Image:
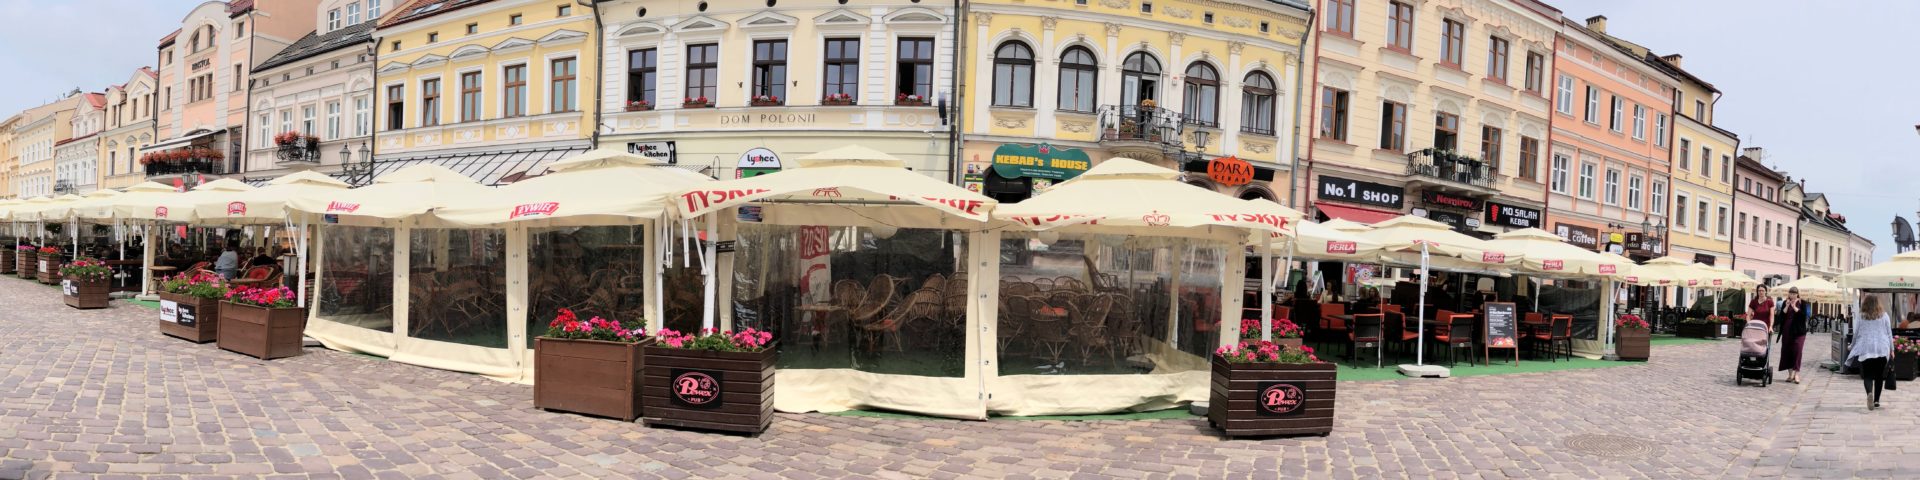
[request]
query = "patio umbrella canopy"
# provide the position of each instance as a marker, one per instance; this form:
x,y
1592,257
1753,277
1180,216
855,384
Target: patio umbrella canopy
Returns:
x,y
1813,288
265,205
1403,236
1671,272
602,187
1345,225
1317,241
852,174
170,207
53,210
1547,254
1123,194
1902,272
408,192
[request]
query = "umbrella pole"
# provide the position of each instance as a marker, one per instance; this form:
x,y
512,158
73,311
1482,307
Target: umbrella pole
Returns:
x,y
1420,347
709,256
1266,292
300,261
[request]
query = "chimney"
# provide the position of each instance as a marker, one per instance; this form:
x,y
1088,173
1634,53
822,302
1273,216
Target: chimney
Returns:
x,y
1597,23
1756,153
1673,59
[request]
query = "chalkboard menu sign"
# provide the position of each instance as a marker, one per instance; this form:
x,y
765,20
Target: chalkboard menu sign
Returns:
x,y
1502,328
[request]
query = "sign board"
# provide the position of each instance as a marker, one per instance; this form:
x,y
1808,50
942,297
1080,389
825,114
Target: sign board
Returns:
x,y
1501,327
169,311
1369,193
1442,199
1512,216
665,151
68,288
756,162
1230,171
723,246
187,315
1282,399
751,214
1040,161
1583,237
695,388
1457,221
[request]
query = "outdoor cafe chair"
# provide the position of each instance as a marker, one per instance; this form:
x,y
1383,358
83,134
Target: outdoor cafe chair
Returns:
x,y
1563,333
1090,326
1459,332
1366,333
1050,332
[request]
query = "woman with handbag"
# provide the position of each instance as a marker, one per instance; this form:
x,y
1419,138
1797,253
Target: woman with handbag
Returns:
x,y
1872,346
1793,315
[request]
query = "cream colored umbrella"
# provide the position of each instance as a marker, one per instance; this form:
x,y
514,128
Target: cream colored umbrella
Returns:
x,y
1670,272
1815,288
13,212
1902,272
1428,241
52,210
108,209
602,187
1547,254
265,205
1129,194
1345,225
1623,266
1311,241
177,207
410,191
71,210
851,174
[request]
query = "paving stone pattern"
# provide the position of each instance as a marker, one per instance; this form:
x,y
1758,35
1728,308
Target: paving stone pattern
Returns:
x,y
101,394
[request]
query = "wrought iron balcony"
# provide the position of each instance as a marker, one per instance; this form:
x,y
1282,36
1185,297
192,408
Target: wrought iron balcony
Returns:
x,y
1449,167
1131,123
299,151
184,167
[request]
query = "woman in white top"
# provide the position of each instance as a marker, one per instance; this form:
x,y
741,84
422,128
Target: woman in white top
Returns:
x,y
1872,346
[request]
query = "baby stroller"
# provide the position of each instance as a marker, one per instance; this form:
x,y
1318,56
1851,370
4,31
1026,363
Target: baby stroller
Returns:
x,y
1755,347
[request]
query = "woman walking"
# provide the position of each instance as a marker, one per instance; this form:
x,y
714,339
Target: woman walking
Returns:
x,y
1872,345
1792,326
1761,308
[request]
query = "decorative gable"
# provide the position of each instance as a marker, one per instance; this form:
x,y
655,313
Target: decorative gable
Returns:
x,y
562,36
915,15
767,20
429,60
640,29
468,51
393,68
512,44
841,17
699,24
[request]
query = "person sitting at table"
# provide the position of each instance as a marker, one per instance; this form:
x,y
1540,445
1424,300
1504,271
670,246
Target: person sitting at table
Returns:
x,y
261,259
228,264
1912,322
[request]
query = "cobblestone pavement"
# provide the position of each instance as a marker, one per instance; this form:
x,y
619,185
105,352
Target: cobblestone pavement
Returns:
x,y
100,393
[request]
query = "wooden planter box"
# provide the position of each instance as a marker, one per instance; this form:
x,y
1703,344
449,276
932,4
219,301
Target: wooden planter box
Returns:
x,y
26,263
909,103
85,294
834,102
263,333
766,103
706,104
1633,344
48,269
639,108
590,377
708,390
9,262
193,319
1261,399
1904,366
1697,330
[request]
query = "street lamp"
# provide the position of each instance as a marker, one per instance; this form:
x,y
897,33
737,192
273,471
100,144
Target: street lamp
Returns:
x,y
357,173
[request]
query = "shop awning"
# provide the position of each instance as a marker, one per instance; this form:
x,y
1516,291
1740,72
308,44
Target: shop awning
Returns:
x,y
180,141
486,168
1359,215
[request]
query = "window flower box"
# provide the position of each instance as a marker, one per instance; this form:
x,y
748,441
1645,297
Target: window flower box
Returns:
x,y
26,261
589,367
190,306
48,271
1265,390
718,381
837,100
1633,339
85,284
766,101
639,106
261,323
698,102
904,100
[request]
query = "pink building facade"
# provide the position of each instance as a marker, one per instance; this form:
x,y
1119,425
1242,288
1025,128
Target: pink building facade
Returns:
x,y
1764,240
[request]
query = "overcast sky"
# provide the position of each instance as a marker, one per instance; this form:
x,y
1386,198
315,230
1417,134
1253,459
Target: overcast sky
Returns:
x,y
1797,81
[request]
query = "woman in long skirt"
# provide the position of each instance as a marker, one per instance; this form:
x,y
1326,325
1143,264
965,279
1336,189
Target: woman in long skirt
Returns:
x,y
1792,317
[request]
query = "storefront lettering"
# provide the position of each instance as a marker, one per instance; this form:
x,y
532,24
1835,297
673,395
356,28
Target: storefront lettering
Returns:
x,y
236,208
767,118
534,210
1275,221
1579,236
1031,161
342,207
1512,216
1444,200
1347,248
1361,192
971,207
1056,220
701,200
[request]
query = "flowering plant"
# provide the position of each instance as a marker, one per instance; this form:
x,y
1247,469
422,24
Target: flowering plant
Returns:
x,y
50,250
25,248
569,326
639,104
909,98
1718,319
87,270
838,97
1267,352
748,340
276,297
1282,328
1631,321
766,98
202,284
695,101
1906,345
289,138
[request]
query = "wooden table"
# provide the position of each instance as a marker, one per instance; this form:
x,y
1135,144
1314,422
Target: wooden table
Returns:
x,y
160,274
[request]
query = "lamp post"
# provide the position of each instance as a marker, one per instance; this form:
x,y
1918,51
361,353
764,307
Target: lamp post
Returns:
x,y
357,173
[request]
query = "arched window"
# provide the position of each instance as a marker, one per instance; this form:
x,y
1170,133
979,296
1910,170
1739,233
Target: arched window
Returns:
x,y
1013,75
1079,73
1139,79
1257,104
1202,102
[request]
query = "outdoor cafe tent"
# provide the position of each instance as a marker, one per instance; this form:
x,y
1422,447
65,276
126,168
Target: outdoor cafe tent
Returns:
x,y
1902,272
1547,255
583,228
821,252
397,283
1345,225
267,207
1129,220
1423,243
1310,241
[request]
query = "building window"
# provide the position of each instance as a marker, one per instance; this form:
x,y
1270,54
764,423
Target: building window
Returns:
x,y
913,73
1013,75
1706,160
1639,122
1078,74
1679,210
1703,225
1633,192
1497,59
565,84
516,19
1726,168
470,99
430,102
1393,126
1700,110
1741,229
333,120
1613,187
1139,80
514,91
286,120
703,69
1558,173
473,28
1333,113
843,67
266,132
1446,131
770,69
395,47
1340,17
396,107
1400,26
1593,105
1202,101
306,120
643,76
1618,121
373,9
1564,98
433,37
333,19
362,116
1586,180
1490,139
1686,154
1723,221
1658,198
1257,104
1765,235
1536,72
1660,129
353,13
1530,159
1453,39
564,11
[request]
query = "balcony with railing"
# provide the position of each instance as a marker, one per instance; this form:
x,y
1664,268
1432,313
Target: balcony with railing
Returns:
x,y
1140,123
1450,168
185,161
295,148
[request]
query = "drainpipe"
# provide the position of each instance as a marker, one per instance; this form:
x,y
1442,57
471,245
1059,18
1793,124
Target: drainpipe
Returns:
x,y
1300,55
373,146
600,70
955,145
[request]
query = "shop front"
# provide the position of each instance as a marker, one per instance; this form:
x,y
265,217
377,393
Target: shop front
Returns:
x,y
1500,217
1016,171
1460,212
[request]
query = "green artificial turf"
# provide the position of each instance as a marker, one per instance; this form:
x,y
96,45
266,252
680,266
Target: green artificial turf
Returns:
x,y
1353,371
1669,340
1168,414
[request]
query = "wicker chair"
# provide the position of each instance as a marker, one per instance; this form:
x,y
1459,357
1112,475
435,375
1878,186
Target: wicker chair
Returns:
x,y
921,304
879,296
1090,326
1051,334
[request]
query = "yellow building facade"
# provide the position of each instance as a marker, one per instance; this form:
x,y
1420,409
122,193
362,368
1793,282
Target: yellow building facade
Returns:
x,y
9,159
492,89
1066,85
130,109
